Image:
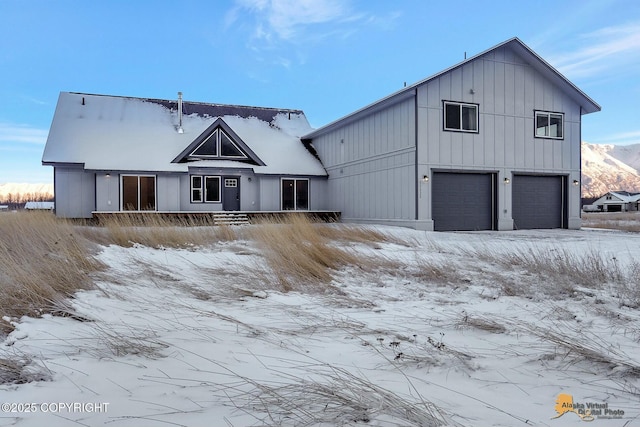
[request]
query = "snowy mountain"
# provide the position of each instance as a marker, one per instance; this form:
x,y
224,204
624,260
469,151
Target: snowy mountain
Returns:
x,y
24,191
610,168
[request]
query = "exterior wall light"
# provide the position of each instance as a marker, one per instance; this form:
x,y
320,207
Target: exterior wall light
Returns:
x,y
576,182
425,178
108,175
507,180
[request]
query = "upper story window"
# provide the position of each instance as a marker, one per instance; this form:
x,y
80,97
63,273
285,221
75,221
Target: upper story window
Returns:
x,y
549,125
218,144
460,117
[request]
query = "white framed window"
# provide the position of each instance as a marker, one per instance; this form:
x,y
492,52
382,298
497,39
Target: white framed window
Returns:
x,y
138,192
294,194
196,188
212,189
460,117
549,125
218,145
205,189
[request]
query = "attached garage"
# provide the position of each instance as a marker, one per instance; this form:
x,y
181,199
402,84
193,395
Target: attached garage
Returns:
x,y
539,201
463,201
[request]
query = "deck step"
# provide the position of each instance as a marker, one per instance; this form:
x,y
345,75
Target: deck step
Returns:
x,y
231,218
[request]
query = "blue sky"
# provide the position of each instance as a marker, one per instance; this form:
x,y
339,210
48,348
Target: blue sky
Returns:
x,y
326,57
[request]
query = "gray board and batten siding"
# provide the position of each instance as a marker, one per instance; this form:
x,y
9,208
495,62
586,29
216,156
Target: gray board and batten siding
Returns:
x,y
104,149
381,160
371,166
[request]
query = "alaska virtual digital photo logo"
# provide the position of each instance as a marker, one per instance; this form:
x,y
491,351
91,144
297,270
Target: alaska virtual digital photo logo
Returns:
x,y
588,411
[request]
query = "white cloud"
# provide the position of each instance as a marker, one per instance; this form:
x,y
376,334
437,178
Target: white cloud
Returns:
x,y
603,50
22,134
284,19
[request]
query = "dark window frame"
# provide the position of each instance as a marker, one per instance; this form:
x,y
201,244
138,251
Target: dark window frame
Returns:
x,y
548,115
461,106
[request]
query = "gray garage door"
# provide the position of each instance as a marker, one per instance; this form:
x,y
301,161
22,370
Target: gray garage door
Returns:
x,y
463,201
539,201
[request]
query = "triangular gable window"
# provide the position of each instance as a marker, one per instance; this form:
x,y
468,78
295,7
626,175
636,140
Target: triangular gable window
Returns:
x,y
219,145
228,148
209,147
218,142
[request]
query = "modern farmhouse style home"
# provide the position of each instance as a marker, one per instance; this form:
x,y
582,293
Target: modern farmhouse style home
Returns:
x,y
113,153
492,143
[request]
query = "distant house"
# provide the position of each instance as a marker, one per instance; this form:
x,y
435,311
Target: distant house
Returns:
x,y
41,206
492,143
615,201
4,208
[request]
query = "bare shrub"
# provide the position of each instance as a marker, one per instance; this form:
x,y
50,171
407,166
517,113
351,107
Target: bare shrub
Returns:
x,y
42,261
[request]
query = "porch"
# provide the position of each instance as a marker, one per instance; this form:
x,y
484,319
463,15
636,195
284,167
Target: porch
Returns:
x,y
221,218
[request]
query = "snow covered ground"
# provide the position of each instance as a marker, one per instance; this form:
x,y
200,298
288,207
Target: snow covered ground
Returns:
x,y
179,337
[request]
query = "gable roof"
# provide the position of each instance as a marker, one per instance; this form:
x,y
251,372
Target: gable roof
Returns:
x,y
218,123
624,196
107,133
588,105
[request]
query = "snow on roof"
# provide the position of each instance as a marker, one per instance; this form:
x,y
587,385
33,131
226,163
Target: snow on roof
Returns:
x,y
625,196
135,134
39,205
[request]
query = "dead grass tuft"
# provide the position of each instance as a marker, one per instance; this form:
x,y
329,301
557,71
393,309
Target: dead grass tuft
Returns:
x,y
43,260
334,396
300,254
553,271
17,371
156,231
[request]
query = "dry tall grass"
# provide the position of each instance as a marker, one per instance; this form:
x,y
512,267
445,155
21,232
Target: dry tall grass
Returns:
x,y
555,271
43,260
155,231
624,221
301,253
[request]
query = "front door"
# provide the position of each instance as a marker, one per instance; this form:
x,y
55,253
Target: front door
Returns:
x,y
231,193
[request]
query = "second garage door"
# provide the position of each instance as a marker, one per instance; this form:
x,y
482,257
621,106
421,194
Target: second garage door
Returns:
x,y
539,202
463,201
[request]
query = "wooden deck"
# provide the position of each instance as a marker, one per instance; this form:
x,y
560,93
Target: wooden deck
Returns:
x,y
216,217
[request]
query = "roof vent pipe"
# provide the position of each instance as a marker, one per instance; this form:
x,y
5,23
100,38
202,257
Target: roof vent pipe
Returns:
x,y
180,130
